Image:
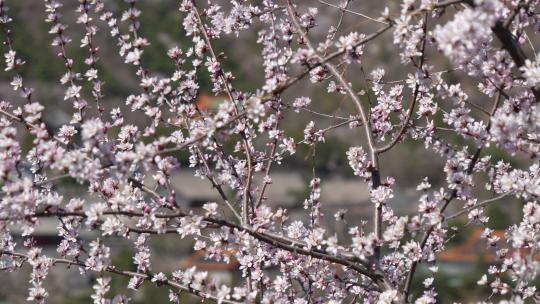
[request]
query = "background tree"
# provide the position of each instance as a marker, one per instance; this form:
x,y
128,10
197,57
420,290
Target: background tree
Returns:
x,y
477,113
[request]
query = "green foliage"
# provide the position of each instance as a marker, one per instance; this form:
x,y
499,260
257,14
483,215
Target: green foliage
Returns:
x,y
325,158
299,195
453,288
499,218
460,237
84,298
123,260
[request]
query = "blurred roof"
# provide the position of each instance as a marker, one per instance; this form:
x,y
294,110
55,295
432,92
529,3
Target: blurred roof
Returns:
x,y
473,249
197,259
209,102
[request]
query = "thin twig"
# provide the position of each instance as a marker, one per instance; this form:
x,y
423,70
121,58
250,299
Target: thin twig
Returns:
x,y
476,206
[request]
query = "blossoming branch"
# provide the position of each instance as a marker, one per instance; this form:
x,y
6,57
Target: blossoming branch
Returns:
x,y
126,165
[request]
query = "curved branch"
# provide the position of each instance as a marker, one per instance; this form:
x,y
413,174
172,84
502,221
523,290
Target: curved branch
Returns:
x,y
115,270
266,237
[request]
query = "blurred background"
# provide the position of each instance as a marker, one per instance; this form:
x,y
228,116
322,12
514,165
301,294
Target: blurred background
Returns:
x,y
461,265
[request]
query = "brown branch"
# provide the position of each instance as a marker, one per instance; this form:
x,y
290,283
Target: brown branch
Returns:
x,y
323,61
266,237
375,174
368,38
247,149
448,199
116,270
501,31
410,111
